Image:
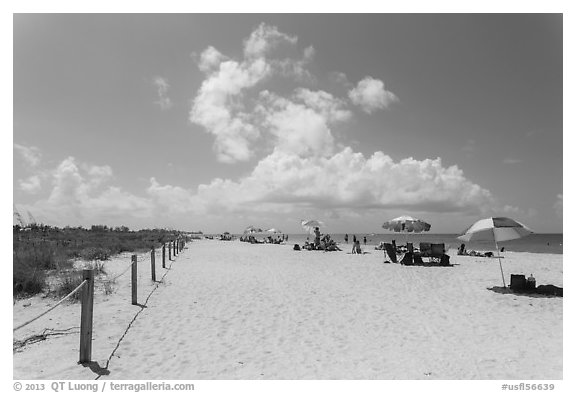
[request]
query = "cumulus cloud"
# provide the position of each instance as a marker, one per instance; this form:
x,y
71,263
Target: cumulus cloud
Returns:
x,y
265,38
281,183
221,105
350,179
301,125
210,59
30,154
221,114
370,95
162,87
80,195
31,185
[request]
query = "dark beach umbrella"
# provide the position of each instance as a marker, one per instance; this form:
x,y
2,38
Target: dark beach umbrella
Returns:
x,y
407,225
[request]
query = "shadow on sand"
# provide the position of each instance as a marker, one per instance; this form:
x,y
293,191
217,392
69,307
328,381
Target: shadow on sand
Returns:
x,y
508,291
96,368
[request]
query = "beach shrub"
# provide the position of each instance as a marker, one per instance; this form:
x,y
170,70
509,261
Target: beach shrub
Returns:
x,y
98,267
27,278
40,249
109,287
95,254
69,281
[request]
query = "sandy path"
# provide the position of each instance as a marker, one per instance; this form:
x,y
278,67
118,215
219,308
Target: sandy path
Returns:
x,y
230,310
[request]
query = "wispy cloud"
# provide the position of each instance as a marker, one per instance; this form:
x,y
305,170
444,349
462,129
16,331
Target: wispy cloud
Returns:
x,y
559,205
162,87
31,185
30,154
512,161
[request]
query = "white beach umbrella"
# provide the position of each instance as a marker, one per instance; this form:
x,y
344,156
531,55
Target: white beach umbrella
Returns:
x,y
310,225
252,229
496,229
273,230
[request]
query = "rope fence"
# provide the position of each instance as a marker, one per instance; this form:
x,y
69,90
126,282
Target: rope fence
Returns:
x,y
87,296
51,308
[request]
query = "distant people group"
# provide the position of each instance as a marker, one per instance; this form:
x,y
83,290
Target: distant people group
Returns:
x,y
462,251
268,239
324,243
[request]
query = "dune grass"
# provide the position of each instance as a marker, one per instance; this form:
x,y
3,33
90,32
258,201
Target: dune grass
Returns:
x,y
40,250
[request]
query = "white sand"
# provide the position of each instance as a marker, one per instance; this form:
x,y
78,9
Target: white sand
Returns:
x,y
231,310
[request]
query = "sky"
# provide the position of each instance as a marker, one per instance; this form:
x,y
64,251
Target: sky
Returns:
x,y
214,122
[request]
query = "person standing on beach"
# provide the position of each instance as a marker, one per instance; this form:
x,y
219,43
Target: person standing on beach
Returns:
x,y
317,239
354,239
364,240
346,238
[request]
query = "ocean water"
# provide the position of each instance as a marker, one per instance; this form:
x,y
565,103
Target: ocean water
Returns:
x,y
535,243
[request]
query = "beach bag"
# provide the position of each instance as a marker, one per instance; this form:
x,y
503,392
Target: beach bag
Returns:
x,y
517,282
296,247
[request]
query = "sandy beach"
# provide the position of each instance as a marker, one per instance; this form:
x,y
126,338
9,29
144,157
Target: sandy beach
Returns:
x,y
232,310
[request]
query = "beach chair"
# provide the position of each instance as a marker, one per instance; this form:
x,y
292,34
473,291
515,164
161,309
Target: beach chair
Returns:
x,y
408,259
391,251
418,259
437,251
425,250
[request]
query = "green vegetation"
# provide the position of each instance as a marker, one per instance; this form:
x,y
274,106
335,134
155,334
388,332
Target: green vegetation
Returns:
x,y
39,250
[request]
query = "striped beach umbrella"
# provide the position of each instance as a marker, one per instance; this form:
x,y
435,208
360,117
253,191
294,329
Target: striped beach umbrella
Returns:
x,y
406,224
496,229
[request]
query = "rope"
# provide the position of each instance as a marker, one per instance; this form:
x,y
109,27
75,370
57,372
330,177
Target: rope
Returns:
x,y
121,274
138,260
53,307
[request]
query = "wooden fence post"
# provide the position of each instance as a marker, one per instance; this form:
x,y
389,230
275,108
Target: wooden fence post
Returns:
x,y
86,317
164,256
175,247
134,279
153,263
169,251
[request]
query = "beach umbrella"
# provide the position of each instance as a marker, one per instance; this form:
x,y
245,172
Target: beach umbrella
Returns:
x,y
496,229
252,229
273,230
406,224
310,225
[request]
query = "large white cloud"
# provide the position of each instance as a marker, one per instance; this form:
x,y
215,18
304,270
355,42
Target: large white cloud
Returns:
x,y
301,125
371,95
350,180
281,183
81,195
222,105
